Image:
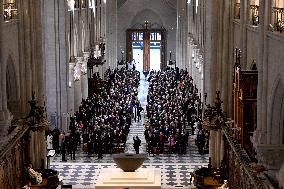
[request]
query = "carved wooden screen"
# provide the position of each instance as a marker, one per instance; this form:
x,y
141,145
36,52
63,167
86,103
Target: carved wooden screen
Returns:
x,y
249,87
244,107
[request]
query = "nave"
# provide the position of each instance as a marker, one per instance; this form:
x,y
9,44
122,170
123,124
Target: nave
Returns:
x,y
175,168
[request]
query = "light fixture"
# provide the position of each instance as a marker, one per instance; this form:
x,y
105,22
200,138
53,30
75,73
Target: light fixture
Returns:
x,y
10,11
71,5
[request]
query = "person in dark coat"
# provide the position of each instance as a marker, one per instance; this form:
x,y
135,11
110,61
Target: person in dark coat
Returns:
x,y
99,145
139,110
137,143
73,142
63,150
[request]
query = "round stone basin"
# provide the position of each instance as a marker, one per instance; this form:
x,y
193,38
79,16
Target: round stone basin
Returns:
x,y
129,162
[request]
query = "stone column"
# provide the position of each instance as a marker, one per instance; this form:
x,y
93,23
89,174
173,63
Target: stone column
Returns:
x,y
84,76
56,66
5,115
77,84
71,103
208,59
243,22
225,73
263,131
111,34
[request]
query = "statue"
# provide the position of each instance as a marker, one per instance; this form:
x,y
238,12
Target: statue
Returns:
x,y
34,175
37,113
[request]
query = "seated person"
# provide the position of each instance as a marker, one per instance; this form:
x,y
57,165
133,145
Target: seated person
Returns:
x,y
36,176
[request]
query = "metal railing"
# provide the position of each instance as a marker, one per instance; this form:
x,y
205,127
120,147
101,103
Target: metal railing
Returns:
x,y
240,169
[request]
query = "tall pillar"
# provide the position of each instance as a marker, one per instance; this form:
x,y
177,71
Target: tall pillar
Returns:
x,y
55,65
5,115
208,59
243,21
263,129
71,109
84,76
77,84
111,34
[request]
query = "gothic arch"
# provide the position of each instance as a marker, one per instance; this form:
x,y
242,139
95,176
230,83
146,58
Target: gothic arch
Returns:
x,y
277,114
12,86
147,14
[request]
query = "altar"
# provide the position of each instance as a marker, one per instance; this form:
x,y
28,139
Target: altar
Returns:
x,y
115,178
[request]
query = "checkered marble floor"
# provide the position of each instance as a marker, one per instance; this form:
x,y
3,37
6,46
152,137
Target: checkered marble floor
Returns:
x,y
83,172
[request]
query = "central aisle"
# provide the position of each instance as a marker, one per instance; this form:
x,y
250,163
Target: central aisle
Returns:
x,y
137,128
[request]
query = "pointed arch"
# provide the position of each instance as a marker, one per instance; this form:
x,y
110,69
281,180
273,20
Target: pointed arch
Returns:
x,y
277,114
147,14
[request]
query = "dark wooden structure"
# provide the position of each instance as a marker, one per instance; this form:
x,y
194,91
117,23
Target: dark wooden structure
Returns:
x,y
245,106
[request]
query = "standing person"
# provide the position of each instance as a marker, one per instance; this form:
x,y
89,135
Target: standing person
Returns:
x,y
73,145
63,150
99,147
61,138
137,143
139,110
49,140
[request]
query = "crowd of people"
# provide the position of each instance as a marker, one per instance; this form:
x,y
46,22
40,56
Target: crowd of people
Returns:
x,y
172,103
103,120
105,117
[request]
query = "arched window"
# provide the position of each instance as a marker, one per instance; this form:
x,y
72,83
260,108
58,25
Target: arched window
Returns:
x,y
254,7
277,18
10,10
237,11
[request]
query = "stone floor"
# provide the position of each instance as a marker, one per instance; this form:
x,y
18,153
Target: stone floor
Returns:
x,y
175,169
